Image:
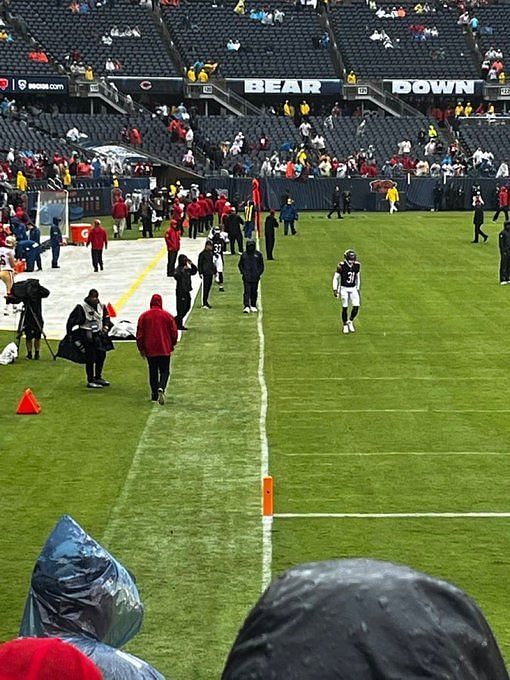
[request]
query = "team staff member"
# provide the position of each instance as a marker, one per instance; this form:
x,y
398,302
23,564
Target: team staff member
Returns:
x,y
289,215
193,212
88,325
98,239
206,271
346,285
232,225
478,219
156,337
504,251
270,225
173,244
120,214
182,274
335,203
55,242
251,266
35,235
503,203
346,200
392,196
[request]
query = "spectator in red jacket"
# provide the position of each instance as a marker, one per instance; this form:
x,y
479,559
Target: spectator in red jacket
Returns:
x,y
98,239
178,214
119,214
202,223
173,244
156,337
220,207
135,137
193,211
503,202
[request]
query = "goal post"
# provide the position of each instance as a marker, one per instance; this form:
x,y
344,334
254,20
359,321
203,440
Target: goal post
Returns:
x,y
52,204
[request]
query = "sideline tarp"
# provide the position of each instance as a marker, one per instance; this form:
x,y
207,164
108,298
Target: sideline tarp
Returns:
x,y
362,619
80,593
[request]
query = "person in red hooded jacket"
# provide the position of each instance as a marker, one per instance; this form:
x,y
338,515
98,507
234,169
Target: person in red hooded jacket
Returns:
x,y
202,220
219,207
156,337
173,244
209,216
193,211
503,202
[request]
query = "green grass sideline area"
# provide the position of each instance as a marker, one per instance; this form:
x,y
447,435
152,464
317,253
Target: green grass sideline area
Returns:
x,y
406,415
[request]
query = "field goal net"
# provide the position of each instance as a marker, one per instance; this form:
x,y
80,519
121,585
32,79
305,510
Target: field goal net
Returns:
x,y
52,204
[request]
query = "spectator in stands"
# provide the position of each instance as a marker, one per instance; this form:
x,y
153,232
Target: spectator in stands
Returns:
x,y
278,16
288,109
352,78
89,73
240,7
305,129
304,109
233,45
468,109
21,182
203,76
191,75
503,170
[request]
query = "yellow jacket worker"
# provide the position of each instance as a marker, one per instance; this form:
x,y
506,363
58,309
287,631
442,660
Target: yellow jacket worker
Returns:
x,y
393,198
21,181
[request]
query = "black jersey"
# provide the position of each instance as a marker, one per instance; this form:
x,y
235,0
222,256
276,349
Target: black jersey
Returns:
x,y
218,242
349,272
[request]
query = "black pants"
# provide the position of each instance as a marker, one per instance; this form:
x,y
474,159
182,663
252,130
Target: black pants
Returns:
x,y
207,280
347,207
159,372
498,212
438,201
55,254
335,208
94,362
504,266
183,307
128,220
251,292
97,259
170,266
479,232
289,225
193,228
269,246
236,238
146,227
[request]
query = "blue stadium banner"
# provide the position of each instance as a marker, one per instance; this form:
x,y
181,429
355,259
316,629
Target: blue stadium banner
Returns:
x,y
33,84
431,86
287,86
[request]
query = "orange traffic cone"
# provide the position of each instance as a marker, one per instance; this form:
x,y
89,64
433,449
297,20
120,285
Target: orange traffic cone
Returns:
x,y
111,311
28,404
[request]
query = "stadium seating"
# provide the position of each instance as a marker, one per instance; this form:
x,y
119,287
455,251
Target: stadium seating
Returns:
x,y
23,136
447,56
493,31
201,30
494,137
14,55
60,32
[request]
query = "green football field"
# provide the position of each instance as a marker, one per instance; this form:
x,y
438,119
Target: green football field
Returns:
x,y
408,417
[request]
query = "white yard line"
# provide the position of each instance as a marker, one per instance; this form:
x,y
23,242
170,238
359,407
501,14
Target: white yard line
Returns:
x,y
350,379
301,410
267,522
340,454
391,515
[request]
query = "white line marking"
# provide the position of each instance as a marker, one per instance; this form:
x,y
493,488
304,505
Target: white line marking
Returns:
x,y
390,515
341,454
122,498
391,378
267,522
393,410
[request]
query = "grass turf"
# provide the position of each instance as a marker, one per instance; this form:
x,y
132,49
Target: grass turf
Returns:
x,y
181,508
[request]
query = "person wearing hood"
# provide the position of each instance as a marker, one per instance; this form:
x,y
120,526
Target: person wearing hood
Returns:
x,y
251,266
270,225
156,337
363,619
97,239
21,182
184,271
289,215
173,244
88,326
207,271
55,242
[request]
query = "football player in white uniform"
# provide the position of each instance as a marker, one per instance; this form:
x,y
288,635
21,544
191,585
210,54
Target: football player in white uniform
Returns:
x,y
7,263
346,285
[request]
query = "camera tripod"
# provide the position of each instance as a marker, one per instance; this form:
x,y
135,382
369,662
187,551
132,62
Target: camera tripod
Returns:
x,y
21,327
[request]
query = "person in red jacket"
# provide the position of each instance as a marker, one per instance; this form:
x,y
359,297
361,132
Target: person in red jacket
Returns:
x,y
202,220
98,239
119,214
173,244
156,337
503,202
219,207
209,215
193,211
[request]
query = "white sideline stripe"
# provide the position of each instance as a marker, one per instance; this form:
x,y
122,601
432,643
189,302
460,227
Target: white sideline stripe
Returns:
x,y
390,515
134,468
267,522
341,454
395,377
394,410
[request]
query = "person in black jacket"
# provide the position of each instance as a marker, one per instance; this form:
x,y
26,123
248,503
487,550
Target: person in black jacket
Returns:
x,y
335,203
251,266
207,271
346,200
233,228
270,225
182,274
504,251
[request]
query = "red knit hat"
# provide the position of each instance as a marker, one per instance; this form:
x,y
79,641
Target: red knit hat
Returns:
x,y
45,659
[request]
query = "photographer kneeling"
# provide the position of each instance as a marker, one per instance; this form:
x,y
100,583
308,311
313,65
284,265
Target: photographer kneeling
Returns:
x,y
88,327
